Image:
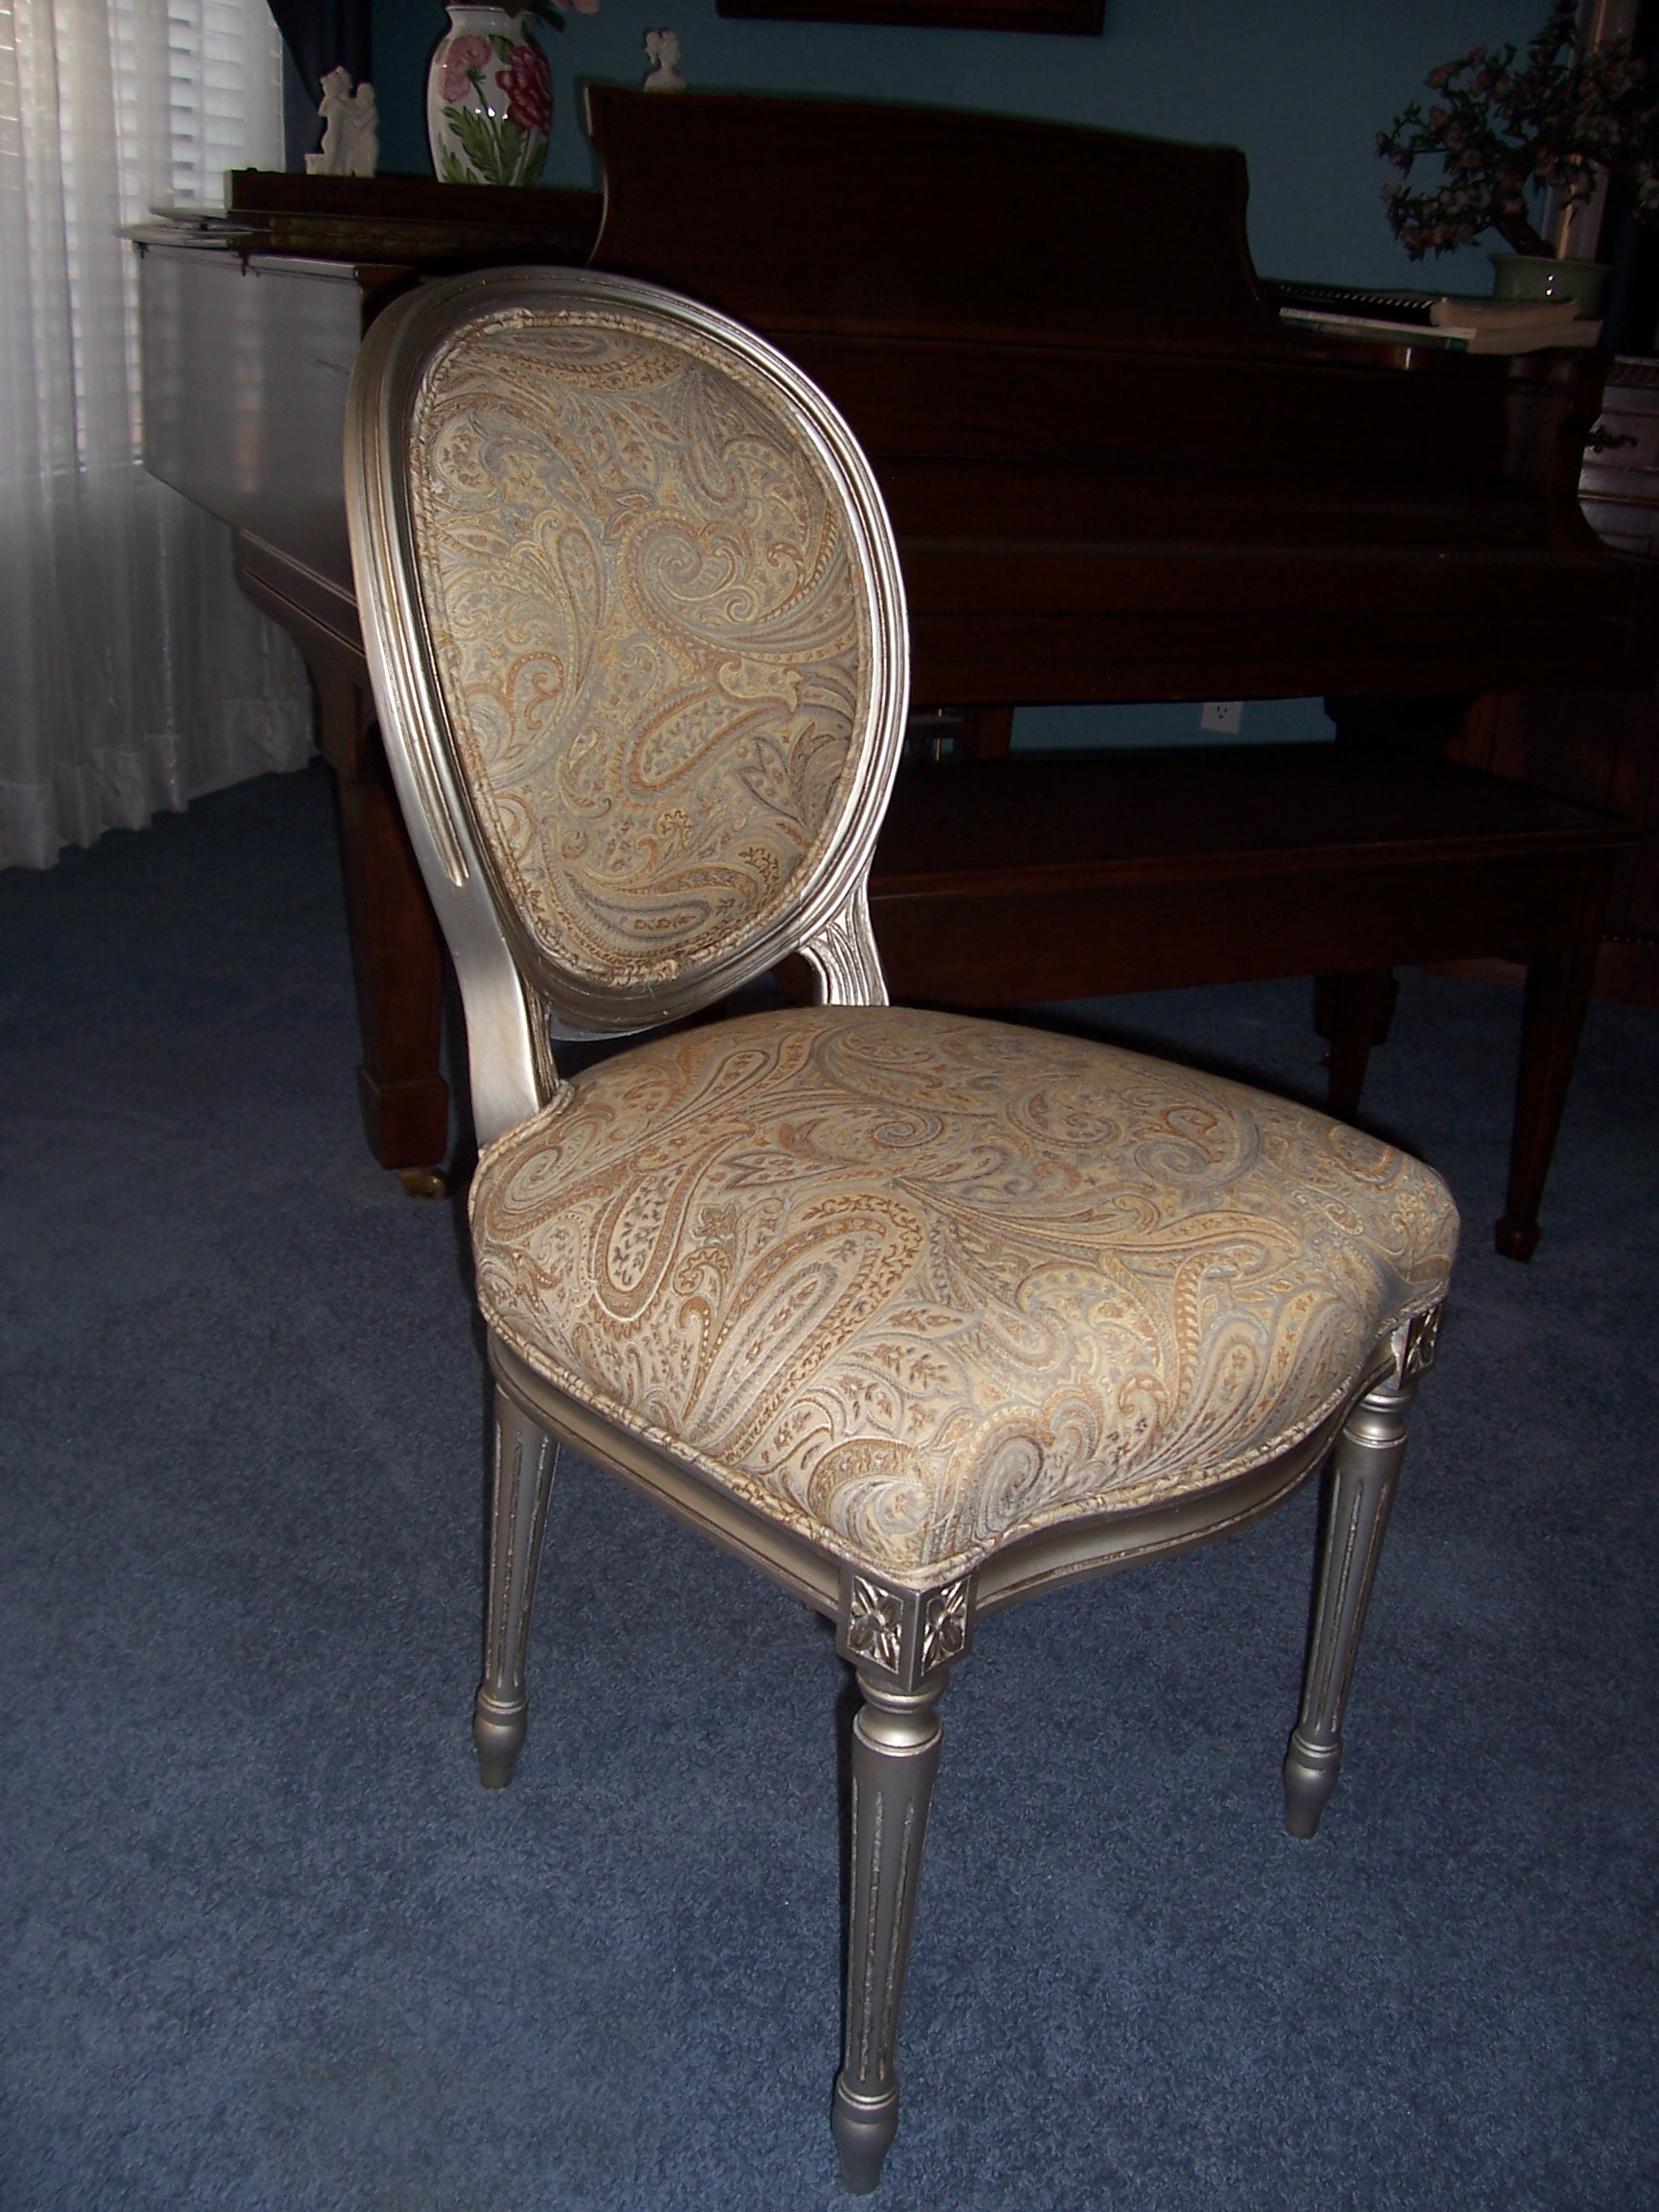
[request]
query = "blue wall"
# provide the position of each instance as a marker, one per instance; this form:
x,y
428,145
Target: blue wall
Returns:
x,y
1302,85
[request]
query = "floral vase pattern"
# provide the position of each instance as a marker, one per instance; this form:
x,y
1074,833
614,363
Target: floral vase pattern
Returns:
x,y
489,100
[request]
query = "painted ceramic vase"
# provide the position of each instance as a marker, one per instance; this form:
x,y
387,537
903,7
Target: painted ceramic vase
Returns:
x,y
489,100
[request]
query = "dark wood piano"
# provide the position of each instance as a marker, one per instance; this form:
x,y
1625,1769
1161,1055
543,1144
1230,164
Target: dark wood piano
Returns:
x,y
1115,474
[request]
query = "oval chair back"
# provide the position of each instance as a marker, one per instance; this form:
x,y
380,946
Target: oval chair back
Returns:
x,y
637,636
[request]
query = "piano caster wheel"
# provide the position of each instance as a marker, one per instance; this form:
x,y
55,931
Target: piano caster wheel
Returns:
x,y
424,1182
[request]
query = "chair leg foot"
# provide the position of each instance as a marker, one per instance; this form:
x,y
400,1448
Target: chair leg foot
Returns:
x,y
498,1738
1363,1471
895,1758
1310,1771
525,1457
863,2134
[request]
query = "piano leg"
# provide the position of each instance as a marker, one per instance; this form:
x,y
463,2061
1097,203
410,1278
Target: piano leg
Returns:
x,y
399,967
1353,1013
1559,977
396,951
1558,988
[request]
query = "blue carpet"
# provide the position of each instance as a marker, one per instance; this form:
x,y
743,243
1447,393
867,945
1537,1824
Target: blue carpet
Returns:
x,y
267,1944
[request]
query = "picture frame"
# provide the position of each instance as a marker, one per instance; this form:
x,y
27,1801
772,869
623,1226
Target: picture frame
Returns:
x,y
1077,18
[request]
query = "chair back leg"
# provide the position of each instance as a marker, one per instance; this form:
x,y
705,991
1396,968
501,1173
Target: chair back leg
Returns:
x,y
525,1458
894,1757
1359,1492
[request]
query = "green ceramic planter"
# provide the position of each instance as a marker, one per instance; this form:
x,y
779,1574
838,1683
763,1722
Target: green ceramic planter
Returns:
x,y
1533,276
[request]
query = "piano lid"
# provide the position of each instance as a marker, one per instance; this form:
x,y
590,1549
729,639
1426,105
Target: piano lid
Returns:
x,y
829,214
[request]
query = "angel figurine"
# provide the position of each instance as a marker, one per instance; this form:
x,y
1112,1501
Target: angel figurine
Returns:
x,y
663,50
350,130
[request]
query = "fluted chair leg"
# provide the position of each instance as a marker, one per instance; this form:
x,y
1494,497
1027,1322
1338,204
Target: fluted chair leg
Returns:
x,y
1363,1472
895,1758
525,1457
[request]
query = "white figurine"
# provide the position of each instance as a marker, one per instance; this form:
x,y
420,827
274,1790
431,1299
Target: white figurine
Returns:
x,y
664,49
350,130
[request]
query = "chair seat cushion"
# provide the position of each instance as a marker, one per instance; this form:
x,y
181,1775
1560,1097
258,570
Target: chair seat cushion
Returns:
x,y
915,1285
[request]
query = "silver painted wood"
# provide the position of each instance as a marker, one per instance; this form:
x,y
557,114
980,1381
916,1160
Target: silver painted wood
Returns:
x,y
895,1737
525,1458
906,1636
1364,1470
842,954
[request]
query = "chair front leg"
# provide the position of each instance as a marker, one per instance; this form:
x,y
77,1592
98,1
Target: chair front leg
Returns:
x,y
1364,1470
895,1758
525,1457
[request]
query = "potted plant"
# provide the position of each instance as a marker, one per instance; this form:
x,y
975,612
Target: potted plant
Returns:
x,y
489,93
1506,132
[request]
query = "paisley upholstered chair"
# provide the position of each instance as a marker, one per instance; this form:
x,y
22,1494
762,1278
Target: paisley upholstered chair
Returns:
x,y
916,1313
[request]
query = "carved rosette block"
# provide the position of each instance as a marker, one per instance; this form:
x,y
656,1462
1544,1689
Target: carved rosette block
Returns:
x,y
908,1635
1414,1344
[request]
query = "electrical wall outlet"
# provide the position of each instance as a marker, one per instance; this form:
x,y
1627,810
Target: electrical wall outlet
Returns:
x,y
1222,717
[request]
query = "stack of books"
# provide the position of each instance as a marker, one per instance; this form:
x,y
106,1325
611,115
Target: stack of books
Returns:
x,y
1435,319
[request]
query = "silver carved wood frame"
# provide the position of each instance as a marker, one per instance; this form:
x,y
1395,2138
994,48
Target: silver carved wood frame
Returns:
x,y
902,1638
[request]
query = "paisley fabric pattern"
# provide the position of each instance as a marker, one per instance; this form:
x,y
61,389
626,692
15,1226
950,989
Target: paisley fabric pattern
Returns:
x,y
915,1285
643,615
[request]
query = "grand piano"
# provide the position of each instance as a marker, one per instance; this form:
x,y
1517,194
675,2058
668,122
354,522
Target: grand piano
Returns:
x,y
1115,474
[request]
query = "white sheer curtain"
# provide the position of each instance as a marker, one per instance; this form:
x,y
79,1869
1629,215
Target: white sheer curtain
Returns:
x,y
133,675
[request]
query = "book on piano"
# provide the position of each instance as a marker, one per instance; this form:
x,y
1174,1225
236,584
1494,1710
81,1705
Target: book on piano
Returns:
x,y
1456,323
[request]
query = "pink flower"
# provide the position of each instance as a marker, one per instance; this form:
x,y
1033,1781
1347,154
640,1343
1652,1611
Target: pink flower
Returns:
x,y
460,60
528,83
